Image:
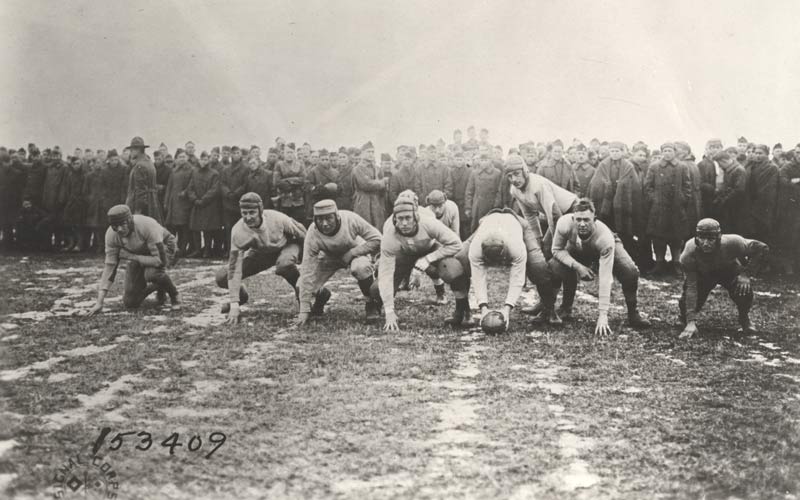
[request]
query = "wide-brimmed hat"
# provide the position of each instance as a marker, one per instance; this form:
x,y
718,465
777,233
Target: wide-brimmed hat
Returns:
x,y
138,142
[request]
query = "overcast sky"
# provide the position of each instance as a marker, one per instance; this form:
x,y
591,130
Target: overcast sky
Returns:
x,y
96,73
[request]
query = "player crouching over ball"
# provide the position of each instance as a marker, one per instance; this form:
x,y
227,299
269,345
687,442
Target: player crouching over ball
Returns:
x,y
504,239
579,241
338,239
712,259
149,249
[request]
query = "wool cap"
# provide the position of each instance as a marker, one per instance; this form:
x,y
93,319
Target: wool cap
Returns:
x,y
436,197
251,200
119,214
325,207
708,227
514,163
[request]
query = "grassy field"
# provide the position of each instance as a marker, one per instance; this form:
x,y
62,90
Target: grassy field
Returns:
x,y
342,410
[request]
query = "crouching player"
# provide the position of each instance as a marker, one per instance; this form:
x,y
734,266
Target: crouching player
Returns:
x,y
149,248
579,241
712,259
422,243
259,240
505,239
337,239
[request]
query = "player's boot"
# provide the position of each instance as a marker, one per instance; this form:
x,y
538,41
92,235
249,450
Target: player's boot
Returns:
x,y
175,302
461,310
468,321
372,311
534,310
747,327
243,298
565,311
635,320
318,307
440,298
552,317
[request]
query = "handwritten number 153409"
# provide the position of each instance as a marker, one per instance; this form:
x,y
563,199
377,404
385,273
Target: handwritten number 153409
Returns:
x,y
145,440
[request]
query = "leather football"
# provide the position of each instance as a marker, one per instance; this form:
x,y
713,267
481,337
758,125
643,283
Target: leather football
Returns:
x,y
493,323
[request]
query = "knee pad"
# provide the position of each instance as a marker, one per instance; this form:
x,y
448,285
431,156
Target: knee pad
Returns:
x,y
221,276
449,269
361,269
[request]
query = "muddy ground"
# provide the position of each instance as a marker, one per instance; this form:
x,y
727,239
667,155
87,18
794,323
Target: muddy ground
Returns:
x,y
342,410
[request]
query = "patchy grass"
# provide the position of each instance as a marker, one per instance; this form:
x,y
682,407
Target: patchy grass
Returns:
x,y
340,409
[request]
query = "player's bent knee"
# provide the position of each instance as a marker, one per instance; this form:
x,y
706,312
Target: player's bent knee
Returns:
x,y
450,269
284,269
361,268
221,277
131,301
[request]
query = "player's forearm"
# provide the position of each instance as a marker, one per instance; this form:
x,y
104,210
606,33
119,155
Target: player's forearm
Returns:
x,y
386,267
147,260
691,296
106,279
479,283
516,281
604,280
304,284
234,275
562,255
369,247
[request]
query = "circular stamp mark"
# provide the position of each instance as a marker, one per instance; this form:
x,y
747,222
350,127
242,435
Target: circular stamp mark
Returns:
x,y
85,476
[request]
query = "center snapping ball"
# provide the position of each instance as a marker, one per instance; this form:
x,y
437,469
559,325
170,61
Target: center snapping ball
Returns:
x,y
493,323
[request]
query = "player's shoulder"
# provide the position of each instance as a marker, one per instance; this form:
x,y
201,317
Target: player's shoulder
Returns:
x,y
599,226
566,222
733,239
388,226
347,215
147,225
269,213
689,252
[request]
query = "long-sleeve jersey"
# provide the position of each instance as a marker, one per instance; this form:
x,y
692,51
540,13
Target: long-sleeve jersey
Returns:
x,y
275,232
450,217
735,253
542,195
355,237
600,244
147,238
506,227
432,240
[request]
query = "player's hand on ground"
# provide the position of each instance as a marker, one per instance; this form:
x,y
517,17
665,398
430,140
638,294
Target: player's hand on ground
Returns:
x,y
302,319
602,329
743,287
233,314
585,273
391,322
689,331
95,309
507,314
